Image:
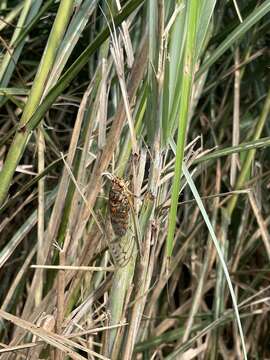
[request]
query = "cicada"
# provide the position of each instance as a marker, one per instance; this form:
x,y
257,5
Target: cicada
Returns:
x,y
119,205
120,210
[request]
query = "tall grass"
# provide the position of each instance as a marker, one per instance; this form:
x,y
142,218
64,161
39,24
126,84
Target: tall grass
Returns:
x,y
94,91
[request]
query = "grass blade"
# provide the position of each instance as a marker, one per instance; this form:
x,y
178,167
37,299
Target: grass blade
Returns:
x,y
220,253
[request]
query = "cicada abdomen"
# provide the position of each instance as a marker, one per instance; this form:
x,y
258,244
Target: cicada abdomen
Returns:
x,y
121,250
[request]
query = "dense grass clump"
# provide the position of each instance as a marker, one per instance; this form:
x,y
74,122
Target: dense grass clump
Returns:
x,y
134,179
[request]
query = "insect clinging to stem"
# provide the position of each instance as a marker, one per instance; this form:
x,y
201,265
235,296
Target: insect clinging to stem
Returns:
x,y
119,205
120,208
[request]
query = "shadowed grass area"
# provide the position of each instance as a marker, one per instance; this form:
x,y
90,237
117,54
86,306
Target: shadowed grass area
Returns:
x,y
134,179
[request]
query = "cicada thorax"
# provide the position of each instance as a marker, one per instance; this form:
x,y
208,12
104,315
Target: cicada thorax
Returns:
x,y
119,205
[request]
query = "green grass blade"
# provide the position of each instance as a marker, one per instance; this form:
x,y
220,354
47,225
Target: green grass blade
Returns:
x,y
235,35
186,88
206,12
72,35
11,15
11,57
173,74
56,35
251,154
152,122
217,154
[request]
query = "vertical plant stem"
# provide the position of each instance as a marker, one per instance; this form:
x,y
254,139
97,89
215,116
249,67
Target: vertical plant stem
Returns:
x,y
186,89
263,228
236,115
60,298
41,213
250,155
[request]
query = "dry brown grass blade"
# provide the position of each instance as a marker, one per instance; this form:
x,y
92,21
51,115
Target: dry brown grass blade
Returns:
x,y
17,348
71,175
263,229
194,353
117,55
18,278
142,281
236,118
63,187
205,268
49,302
73,267
126,39
103,104
57,341
41,213
61,282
